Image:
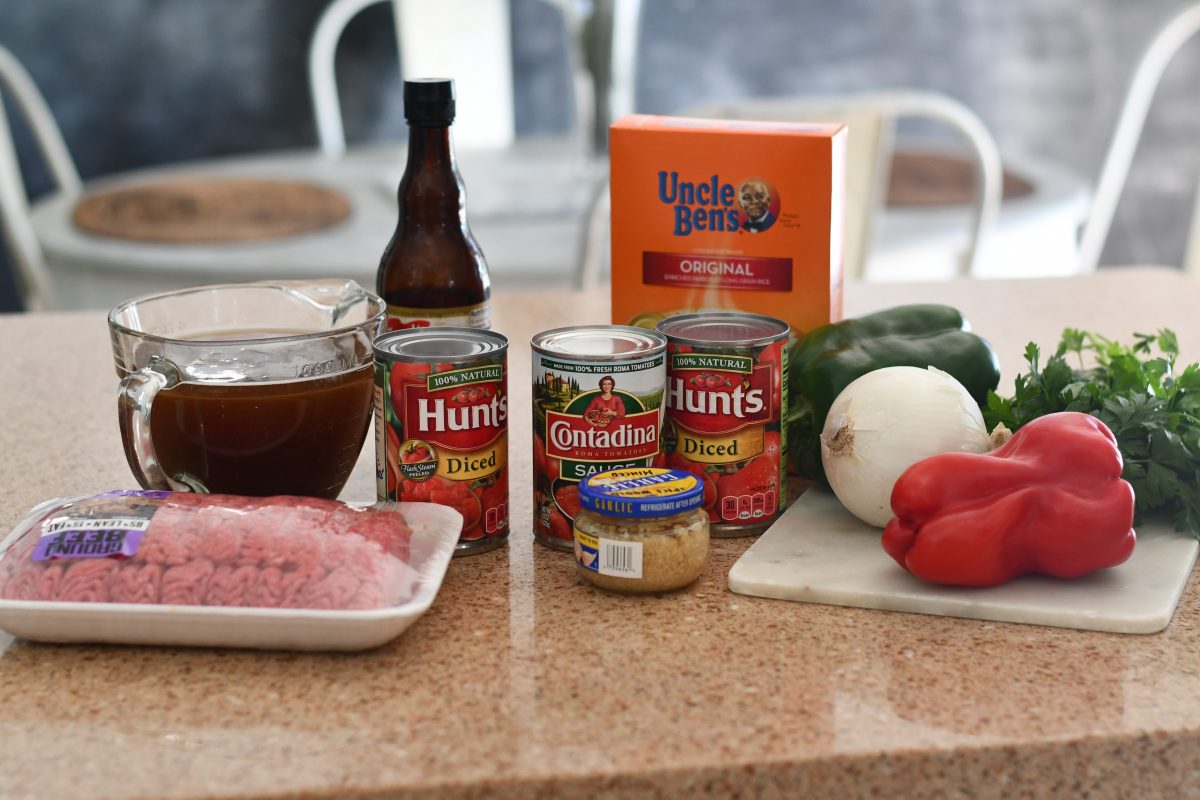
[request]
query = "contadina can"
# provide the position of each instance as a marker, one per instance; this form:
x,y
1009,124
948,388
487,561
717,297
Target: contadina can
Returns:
x,y
597,406
441,426
725,406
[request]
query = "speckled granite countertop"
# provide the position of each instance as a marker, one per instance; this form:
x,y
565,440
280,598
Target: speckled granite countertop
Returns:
x,y
522,681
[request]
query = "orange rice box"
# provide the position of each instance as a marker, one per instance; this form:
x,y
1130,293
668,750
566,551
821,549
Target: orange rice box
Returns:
x,y
725,214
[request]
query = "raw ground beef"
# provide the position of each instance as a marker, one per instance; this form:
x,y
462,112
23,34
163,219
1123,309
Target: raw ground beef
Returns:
x,y
225,550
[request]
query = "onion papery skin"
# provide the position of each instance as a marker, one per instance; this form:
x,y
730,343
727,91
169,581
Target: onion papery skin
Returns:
x,y
888,420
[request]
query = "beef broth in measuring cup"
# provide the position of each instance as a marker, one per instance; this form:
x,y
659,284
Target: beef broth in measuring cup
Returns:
x,y
255,389
295,437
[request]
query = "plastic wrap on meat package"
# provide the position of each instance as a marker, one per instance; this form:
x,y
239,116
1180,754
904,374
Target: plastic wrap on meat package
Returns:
x,y
146,567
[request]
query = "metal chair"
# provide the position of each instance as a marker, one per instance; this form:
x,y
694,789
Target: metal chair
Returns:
x,y
33,276
467,40
1130,122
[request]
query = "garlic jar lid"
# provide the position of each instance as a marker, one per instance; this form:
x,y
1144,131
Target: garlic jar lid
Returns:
x,y
641,492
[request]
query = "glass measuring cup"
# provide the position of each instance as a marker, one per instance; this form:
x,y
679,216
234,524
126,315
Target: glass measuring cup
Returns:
x,y
255,388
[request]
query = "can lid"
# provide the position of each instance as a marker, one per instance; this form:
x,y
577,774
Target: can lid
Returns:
x,y
599,342
429,101
730,328
439,344
640,492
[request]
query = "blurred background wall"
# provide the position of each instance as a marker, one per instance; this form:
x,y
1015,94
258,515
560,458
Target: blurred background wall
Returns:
x,y
140,82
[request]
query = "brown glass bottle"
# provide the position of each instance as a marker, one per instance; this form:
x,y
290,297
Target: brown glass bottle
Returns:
x,y
432,272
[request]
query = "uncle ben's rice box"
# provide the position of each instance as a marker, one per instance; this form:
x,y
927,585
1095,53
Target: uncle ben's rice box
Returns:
x,y
726,214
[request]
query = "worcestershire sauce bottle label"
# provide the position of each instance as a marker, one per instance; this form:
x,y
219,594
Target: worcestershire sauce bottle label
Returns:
x,y
402,317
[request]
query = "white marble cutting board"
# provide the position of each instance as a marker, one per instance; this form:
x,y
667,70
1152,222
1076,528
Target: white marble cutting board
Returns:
x,y
818,552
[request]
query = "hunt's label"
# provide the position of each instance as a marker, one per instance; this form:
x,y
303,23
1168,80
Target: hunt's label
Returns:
x,y
722,394
455,416
444,435
724,424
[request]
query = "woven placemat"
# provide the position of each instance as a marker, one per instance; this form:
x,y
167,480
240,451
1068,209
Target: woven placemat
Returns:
x,y
934,179
211,210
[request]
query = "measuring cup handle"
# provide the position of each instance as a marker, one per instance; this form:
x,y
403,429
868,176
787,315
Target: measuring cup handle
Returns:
x,y
134,400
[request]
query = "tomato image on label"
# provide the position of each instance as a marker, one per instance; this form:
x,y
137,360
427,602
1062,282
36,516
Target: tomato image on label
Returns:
x,y
416,452
418,460
566,497
702,471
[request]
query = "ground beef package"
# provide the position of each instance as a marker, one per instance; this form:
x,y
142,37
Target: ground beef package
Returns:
x,y
172,548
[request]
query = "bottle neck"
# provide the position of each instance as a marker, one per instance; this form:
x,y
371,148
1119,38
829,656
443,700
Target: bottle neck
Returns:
x,y
431,189
430,147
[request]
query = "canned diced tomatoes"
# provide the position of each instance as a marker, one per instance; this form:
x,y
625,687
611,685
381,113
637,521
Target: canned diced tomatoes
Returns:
x,y
725,410
441,426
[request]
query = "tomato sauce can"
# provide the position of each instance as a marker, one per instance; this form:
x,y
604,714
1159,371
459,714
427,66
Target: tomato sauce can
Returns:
x,y
597,406
441,426
726,373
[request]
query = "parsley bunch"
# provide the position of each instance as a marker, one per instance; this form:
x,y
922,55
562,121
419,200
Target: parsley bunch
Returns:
x,y
1154,413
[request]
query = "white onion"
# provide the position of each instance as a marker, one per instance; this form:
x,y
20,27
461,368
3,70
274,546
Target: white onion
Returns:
x,y
888,420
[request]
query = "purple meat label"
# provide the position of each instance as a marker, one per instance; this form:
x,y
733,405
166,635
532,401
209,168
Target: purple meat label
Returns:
x,y
91,538
150,494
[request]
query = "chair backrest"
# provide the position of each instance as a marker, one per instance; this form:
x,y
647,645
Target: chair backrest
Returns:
x,y
33,276
468,40
1130,122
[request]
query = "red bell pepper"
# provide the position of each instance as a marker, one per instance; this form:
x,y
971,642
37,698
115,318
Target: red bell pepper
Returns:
x,y
1050,501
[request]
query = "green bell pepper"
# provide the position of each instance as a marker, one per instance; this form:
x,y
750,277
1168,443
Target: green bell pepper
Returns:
x,y
831,357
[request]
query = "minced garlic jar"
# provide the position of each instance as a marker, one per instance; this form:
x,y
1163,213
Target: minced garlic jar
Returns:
x,y
641,529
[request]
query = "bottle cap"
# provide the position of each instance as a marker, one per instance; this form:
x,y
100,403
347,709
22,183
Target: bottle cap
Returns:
x,y
641,492
429,101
